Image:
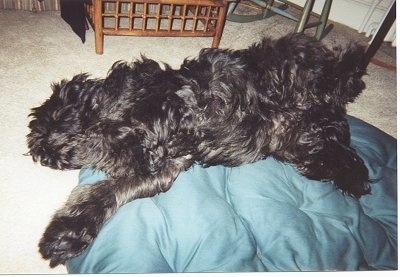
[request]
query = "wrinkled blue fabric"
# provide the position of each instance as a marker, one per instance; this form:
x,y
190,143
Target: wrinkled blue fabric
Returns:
x,y
257,217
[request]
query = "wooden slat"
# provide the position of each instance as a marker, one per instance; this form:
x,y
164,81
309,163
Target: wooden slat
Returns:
x,y
161,33
131,18
169,17
184,18
181,2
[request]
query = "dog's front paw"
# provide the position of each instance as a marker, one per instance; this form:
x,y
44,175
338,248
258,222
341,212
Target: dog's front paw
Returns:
x,y
66,237
354,181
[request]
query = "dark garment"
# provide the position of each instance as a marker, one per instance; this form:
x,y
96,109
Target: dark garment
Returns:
x,y
73,12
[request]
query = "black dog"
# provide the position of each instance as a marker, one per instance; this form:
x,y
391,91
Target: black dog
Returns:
x,y
143,125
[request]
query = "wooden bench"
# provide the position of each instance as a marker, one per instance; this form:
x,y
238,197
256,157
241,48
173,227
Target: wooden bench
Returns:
x,y
173,18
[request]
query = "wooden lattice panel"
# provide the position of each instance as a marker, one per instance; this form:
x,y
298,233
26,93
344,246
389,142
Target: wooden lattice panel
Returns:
x,y
157,18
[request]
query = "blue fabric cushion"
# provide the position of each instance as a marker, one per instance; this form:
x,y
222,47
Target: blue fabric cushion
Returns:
x,y
257,217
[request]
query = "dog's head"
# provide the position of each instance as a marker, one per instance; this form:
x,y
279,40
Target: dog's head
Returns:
x,y
56,128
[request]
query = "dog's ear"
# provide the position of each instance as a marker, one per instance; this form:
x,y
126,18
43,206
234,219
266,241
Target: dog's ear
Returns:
x,y
69,91
146,67
349,57
124,74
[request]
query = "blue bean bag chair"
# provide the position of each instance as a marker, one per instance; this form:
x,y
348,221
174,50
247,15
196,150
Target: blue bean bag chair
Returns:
x,y
257,217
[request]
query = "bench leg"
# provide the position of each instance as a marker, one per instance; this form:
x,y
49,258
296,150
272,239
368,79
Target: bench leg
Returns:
x,y
219,28
98,27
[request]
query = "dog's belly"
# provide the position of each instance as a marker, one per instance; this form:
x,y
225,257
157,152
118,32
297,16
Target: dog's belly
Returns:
x,y
234,141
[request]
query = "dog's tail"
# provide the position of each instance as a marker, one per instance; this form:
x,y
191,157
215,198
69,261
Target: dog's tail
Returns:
x,y
348,71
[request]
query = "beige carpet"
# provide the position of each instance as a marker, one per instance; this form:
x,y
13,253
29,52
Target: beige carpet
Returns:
x,y
39,48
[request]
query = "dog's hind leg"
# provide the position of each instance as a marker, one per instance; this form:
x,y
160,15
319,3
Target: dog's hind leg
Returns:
x,y
338,163
75,225
323,152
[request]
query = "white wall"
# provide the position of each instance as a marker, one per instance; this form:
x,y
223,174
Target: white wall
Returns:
x,y
352,12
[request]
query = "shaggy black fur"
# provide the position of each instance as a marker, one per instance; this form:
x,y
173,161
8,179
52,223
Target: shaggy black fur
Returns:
x,y
143,125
